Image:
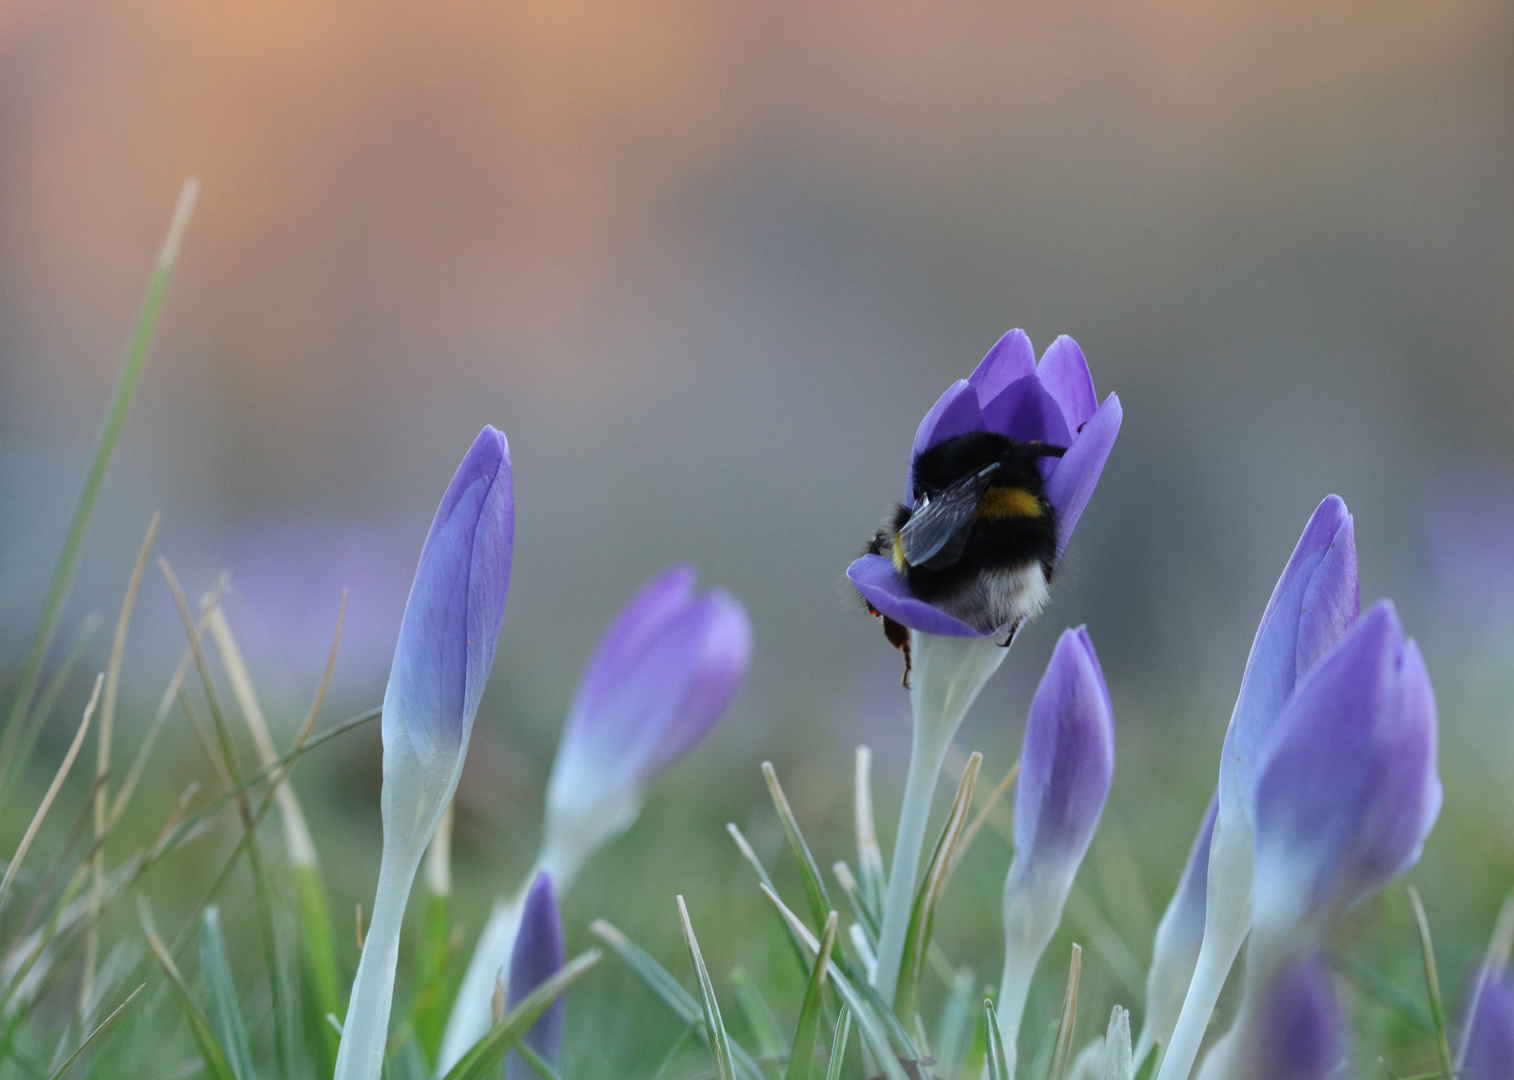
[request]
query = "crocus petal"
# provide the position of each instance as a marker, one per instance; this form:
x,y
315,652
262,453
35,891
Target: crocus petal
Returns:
x,y
1011,359
1071,483
954,413
451,623
724,656
1350,788
1067,761
881,586
1488,1053
1064,373
1026,412
1299,1033
539,954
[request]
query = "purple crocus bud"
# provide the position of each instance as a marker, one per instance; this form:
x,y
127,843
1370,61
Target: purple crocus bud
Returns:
x,y
539,954
1066,765
441,662
1315,600
663,673
1178,937
1488,1050
1350,788
1010,395
1294,1032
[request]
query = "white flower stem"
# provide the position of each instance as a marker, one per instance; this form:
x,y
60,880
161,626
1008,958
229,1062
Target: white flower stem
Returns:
x,y
1227,919
366,1030
948,674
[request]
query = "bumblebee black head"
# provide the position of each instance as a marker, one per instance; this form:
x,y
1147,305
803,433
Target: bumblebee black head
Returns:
x,y
942,465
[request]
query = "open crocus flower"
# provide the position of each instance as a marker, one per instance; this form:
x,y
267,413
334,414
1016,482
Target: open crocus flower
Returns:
x,y
441,663
1315,600
663,673
1010,395
1066,766
538,955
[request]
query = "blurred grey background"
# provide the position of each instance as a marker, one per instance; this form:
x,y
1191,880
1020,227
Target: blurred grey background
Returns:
x,y
707,264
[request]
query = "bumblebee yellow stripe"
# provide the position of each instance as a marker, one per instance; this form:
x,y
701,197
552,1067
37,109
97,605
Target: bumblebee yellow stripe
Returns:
x,y
896,552
1007,502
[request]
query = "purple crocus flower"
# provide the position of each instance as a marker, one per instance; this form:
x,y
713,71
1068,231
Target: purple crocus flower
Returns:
x,y
1066,765
1315,600
1487,1053
1009,394
1178,937
663,673
441,662
1350,788
539,954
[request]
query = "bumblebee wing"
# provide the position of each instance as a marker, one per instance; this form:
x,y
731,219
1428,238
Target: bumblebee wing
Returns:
x,y
937,531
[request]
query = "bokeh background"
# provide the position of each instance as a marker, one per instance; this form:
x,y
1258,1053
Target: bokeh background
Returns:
x,y
707,264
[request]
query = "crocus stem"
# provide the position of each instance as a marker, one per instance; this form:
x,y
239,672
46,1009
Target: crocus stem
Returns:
x,y
948,674
366,1030
1227,919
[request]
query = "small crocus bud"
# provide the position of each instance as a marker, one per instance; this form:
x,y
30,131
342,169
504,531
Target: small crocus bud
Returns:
x,y
1315,600
662,675
1296,1033
539,954
1487,1052
1066,765
441,662
1176,949
1350,788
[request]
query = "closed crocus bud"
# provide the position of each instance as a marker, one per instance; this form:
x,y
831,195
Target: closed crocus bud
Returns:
x,y
1295,1033
1066,765
1315,600
1487,1053
538,955
1176,949
1350,788
441,663
662,675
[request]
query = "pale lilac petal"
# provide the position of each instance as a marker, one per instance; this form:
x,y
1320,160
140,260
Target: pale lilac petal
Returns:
x,y
1067,760
1076,474
1188,901
1011,359
1064,373
875,578
718,671
539,954
1301,1036
1488,1053
1350,789
1027,413
452,618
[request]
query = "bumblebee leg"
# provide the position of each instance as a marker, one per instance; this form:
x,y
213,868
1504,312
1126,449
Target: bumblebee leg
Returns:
x,y
898,636
1014,632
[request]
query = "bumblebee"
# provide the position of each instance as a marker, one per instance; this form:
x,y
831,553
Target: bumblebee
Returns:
x,y
980,542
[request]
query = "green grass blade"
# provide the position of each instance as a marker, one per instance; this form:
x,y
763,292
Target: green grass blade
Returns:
x,y
860,999
216,1065
851,888
743,846
1432,986
73,543
932,887
998,1068
956,1024
809,872
807,1034
720,1042
538,1066
225,1011
761,1019
669,990
838,1045
1148,1068
483,1059
874,879
318,951
59,1073
1061,1055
